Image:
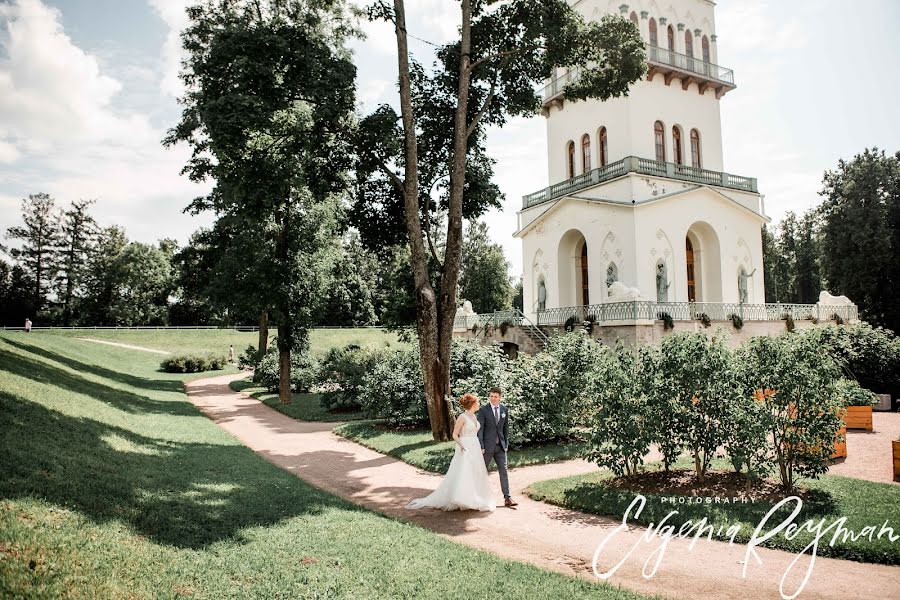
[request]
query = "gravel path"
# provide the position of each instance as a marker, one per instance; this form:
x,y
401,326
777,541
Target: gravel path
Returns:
x,y
537,533
869,452
128,346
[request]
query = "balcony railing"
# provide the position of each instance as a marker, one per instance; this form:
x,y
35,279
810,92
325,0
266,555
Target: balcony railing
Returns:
x,y
683,62
691,311
659,60
643,166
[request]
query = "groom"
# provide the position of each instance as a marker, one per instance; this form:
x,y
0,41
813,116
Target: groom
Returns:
x,y
492,434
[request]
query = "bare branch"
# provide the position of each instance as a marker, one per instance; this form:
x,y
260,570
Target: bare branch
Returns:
x,y
483,110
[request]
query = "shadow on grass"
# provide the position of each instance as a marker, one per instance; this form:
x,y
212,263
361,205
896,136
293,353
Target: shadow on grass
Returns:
x,y
42,372
163,385
185,495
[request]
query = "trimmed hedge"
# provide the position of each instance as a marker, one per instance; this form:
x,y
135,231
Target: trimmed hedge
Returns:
x,y
193,363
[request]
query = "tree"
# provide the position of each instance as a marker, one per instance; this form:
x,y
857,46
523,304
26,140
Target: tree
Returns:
x,y
103,276
770,263
38,236
268,104
808,271
350,299
861,234
16,290
76,234
142,285
489,74
484,271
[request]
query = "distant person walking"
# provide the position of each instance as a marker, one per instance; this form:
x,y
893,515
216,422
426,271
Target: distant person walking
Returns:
x,y
27,325
231,353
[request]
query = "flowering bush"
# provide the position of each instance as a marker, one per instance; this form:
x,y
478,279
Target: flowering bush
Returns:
x,y
623,425
694,384
793,381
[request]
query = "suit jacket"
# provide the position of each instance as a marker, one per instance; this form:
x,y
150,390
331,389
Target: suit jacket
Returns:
x,y
490,429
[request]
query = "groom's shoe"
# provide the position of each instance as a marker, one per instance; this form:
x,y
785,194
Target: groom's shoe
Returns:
x,y
509,502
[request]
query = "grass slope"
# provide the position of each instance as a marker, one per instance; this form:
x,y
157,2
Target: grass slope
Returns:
x,y
418,448
113,485
305,407
863,503
180,341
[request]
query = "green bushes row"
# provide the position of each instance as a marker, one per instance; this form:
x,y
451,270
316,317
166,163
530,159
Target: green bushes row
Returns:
x,y
193,363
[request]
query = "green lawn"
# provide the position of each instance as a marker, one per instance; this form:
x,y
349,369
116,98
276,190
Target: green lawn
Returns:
x,y
182,341
416,447
113,485
863,503
305,407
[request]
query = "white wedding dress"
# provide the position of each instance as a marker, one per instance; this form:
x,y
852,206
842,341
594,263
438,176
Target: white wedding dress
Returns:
x,y
466,484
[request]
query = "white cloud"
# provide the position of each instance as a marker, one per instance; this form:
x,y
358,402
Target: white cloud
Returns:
x,y
62,125
172,12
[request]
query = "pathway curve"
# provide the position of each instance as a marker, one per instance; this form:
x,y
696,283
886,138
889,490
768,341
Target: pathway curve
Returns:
x,y
544,535
128,346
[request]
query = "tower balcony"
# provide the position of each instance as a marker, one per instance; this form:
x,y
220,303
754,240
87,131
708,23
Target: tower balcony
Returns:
x,y
660,61
641,166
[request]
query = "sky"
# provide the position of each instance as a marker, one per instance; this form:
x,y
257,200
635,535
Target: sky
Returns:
x,y
88,89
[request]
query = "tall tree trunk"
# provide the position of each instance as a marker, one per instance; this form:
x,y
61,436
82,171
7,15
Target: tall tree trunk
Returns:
x,y
285,335
434,348
263,344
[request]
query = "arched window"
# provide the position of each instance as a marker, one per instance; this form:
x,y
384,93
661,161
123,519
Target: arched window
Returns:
x,y
695,149
705,45
570,160
634,19
676,145
659,131
671,35
585,153
604,147
689,44
654,40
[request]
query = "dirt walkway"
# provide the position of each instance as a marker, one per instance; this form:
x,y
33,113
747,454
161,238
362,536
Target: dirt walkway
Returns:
x,y
128,346
537,533
869,452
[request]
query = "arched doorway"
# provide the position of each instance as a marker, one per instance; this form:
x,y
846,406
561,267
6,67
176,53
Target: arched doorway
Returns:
x,y
585,295
703,263
573,269
691,277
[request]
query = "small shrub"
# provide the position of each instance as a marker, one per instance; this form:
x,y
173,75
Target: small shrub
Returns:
x,y
343,373
838,319
851,393
504,327
736,321
303,371
570,323
814,320
622,427
193,363
394,390
249,359
666,318
794,383
788,322
704,318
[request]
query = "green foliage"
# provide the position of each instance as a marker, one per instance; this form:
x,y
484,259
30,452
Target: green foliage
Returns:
x,y
852,394
694,378
793,379
736,321
863,194
476,369
484,271
577,357
704,318
624,423
303,371
394,390
343,374
193,363
792,254
249,359
870,355
789,322
36,254
531,395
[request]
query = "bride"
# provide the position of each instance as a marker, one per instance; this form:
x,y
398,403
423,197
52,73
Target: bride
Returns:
x,y
466,484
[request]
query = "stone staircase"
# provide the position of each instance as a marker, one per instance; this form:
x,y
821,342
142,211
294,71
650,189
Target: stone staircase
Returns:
x,y
535,334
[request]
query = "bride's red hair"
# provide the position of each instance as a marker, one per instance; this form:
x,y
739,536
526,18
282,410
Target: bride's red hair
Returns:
x,y
467,401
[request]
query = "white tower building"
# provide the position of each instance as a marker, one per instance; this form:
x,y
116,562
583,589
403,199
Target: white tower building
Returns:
x,y
638,192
